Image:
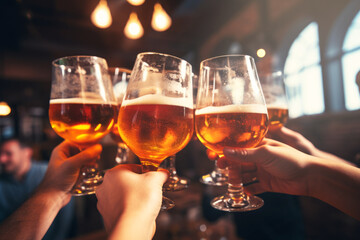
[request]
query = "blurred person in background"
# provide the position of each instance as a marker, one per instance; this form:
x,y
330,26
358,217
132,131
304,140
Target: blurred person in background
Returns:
x,y
19,177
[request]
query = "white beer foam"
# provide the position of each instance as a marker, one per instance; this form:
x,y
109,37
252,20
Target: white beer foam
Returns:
x,y
246,108
81,101
277,106
160,100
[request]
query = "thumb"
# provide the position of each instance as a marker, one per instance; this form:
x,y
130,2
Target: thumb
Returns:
x,y
159,177
86,156
256,155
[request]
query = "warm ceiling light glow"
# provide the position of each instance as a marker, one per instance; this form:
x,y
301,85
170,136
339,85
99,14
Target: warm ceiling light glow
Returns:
x,y
261,52
133,28
101,16
160,21
136,2
4,109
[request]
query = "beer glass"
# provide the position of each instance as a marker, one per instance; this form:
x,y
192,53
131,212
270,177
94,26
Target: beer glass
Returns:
x,y
231,112
274,92
82,109
156,115
120,78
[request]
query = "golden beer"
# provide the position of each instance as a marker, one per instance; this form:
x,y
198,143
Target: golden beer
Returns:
x,y
241,126
83,122
278,116
155,127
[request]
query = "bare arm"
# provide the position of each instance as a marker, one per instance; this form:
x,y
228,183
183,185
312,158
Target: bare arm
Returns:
x,y
281,168
131,210
299,142
34,217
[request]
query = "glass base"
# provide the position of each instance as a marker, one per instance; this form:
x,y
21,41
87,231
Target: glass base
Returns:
x,y
167,203
176,184
215,179
87,186
226,203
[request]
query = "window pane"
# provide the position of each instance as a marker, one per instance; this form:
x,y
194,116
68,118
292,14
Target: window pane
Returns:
x,y
303,74
351,66
352,37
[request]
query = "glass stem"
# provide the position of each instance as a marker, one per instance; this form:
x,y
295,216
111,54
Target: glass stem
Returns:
x,y
218,171
122,154
235,187
171,167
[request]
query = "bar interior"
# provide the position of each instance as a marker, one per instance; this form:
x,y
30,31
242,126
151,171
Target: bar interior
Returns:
x,y
289,69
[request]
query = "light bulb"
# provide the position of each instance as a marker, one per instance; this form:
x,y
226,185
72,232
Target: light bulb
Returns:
x,y
4,109
160,21
261,52
136,2
101,16
133,28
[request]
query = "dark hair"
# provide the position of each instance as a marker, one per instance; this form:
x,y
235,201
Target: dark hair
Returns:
x,y
22,143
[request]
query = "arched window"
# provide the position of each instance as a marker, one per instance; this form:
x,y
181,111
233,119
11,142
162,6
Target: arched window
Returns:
x,y
303,75
351,64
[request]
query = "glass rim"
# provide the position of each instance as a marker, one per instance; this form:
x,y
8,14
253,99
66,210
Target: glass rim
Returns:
x,y
224,56
164,54
56,64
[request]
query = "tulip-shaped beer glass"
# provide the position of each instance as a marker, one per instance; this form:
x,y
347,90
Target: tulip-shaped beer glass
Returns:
x,y
273,88
231,112
82,109
156,115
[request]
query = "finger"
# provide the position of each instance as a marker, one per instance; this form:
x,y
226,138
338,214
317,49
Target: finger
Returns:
x,y
256,155
136,168
159,177
211,155
86,156
67,149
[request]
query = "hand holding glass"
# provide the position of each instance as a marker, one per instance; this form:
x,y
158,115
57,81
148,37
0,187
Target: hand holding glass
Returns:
x,y
82,108
231,112
156,116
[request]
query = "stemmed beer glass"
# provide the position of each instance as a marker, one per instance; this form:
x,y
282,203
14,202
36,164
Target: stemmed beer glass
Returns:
x,y
275,96
156,115
82,109
231,112
120,78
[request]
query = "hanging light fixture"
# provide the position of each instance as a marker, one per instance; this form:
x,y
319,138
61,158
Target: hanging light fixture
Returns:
x,y
4,109
136,2
101,16
133,28
160,21
261,53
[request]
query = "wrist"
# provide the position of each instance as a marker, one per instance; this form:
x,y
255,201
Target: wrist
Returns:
x,y
127,226
55,197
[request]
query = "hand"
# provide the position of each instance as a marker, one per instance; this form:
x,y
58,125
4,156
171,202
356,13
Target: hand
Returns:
x,y
299,142
64,166
293,139
279,167
128,198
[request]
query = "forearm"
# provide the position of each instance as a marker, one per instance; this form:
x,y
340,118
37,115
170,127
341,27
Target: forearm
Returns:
x,y
133,225
325,155
337,184
32,219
